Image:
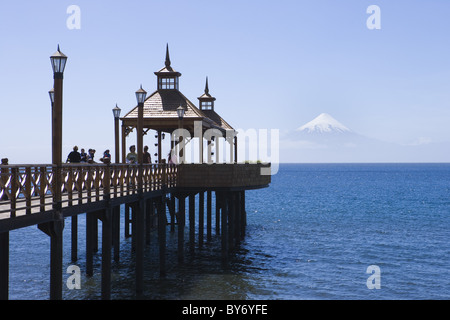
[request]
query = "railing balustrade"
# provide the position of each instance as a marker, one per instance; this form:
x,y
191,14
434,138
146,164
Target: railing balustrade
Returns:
x,y
30,188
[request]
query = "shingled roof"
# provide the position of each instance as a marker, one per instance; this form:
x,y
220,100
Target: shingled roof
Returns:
x,y
163,103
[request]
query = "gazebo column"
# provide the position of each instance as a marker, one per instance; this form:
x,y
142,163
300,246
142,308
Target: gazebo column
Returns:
x,y
231,138
230,141
217,148
235,149
200,149
159,147
172,144
124,144
209,158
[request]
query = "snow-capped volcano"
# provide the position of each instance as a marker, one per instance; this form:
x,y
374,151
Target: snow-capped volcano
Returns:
x,y
324,123
325,140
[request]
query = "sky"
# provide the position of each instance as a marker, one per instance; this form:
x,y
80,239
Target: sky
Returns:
x,y
270,64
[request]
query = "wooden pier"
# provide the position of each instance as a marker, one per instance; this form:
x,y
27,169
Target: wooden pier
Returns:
x,y
45,195
29,195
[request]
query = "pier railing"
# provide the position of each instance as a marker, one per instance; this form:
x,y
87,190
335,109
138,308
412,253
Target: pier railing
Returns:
x,y
27,189
214,176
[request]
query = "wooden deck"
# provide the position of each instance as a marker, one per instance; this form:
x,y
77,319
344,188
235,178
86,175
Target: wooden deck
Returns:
x,y
29,190
44,195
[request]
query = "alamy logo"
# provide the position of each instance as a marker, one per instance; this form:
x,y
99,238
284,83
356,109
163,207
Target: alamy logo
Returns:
x,y
262,144
374,21
74,20
74,280
374,281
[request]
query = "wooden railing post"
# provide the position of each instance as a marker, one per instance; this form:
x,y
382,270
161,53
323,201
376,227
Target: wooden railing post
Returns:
x,y
27,191
88,184
4,176
107,182
164,176
13,194
69,184
42,187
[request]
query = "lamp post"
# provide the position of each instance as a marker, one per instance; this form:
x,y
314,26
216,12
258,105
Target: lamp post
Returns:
x,y
55,227
58,60
180,112
116,113
141,94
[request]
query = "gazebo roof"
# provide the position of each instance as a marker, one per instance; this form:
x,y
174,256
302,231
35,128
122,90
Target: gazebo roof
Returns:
x,y
163,104
214,116
160,108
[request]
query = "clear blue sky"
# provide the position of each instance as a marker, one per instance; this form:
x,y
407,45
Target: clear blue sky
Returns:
x,y
271,64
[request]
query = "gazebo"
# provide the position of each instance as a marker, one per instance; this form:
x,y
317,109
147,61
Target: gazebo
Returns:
x,y
161,112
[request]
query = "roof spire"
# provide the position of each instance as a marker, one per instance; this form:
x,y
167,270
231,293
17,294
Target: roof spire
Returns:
x,y
206,86
167,56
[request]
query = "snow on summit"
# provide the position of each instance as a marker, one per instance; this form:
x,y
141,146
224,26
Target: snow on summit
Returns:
x,y
324,123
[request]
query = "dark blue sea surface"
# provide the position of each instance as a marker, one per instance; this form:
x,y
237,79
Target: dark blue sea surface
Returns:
x,y
311,235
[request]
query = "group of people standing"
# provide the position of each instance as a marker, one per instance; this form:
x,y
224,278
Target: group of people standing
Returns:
x,y
132,156
83,157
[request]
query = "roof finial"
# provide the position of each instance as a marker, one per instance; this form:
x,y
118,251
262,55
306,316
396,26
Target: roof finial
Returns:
x,y
206,86
167,56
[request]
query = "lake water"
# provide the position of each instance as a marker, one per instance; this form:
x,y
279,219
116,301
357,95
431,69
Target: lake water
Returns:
x,y
311,235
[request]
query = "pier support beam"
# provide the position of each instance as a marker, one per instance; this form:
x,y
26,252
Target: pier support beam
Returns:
x,y
74,238
106,218
161,211
224,204
127,221
192,222
139,228
91,223
171,205
208,215
231,220
238,220
134,210
149,215
243,214
201,217
95,232
218,206
54,229
116,232
4,265
181,224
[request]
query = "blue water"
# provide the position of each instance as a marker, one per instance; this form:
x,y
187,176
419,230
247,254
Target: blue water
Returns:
x,y
311,235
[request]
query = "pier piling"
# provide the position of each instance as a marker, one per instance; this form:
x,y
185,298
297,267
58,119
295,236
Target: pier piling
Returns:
x,y
181,225
74,238
54,229
201,217
162,224
192,222
224,225
139,217
106,218
208,215
116,232
4,265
